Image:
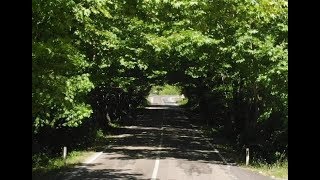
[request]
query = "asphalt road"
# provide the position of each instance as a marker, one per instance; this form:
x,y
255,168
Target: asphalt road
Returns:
x,y
161,144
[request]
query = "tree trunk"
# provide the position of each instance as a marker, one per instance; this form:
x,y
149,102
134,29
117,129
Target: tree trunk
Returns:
x,y
204,113
252,117
228,124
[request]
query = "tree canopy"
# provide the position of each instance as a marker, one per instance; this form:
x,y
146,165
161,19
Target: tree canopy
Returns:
x,y
229,52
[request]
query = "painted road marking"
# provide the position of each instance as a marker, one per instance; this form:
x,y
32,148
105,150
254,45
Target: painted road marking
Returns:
x,y
157,162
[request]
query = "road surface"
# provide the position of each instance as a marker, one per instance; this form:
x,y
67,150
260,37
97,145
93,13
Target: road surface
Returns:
x,y
162,144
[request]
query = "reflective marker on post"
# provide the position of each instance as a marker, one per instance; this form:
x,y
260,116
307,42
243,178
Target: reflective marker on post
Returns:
x,y
247,156
64,154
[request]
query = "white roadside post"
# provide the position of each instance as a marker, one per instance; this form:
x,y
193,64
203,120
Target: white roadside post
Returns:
x,y
247,156
65,155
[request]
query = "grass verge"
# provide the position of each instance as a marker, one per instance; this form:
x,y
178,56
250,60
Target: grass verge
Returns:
x,y
51,167
45,167
278,169
182,101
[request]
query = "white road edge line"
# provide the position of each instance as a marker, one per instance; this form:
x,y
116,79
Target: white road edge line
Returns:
x,y
157,162
155,169
214,149
92,158
88,161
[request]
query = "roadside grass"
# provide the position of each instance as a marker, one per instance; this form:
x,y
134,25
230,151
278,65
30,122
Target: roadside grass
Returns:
x,y
182,101
278,169
166,90
45,167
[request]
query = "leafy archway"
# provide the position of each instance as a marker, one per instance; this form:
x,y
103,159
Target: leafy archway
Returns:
x,y
226,54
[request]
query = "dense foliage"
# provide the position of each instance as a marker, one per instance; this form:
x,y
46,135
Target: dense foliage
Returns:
x,y
166,90
229,56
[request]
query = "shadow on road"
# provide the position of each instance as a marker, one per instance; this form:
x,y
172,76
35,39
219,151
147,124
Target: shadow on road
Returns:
x,y
105,174
140,139
180,140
